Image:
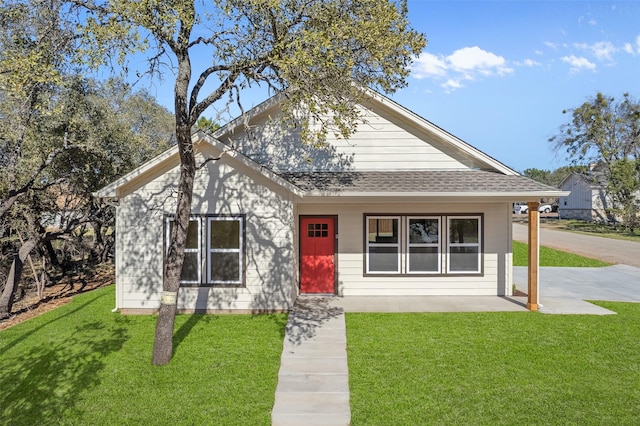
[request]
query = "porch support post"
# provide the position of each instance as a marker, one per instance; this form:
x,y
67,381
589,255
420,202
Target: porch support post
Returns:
x,y
534,255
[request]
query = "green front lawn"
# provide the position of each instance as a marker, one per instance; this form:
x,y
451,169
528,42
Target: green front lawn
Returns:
x,y
551,257
495,368
82,364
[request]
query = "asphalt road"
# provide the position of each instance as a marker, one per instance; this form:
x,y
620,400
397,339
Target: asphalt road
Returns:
x,y
607,249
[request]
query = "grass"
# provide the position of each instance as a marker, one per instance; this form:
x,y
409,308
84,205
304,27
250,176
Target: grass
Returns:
x,y
82,364
600,229
551,257
495,368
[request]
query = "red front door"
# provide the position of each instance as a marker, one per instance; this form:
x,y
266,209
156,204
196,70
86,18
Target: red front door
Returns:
x,y
317,249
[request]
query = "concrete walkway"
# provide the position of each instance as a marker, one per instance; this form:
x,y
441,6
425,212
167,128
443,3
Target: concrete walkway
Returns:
x,y
313,381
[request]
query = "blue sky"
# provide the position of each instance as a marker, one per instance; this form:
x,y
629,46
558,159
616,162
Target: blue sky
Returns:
x,y
499,74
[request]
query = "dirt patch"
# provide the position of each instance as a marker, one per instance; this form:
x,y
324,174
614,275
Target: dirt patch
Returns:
x,y
59,294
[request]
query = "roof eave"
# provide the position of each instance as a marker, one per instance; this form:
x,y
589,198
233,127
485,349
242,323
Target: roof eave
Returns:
x,y
516,195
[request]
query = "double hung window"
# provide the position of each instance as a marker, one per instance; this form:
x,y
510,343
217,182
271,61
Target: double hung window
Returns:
x,y
421,245
383,244
214,253
463,243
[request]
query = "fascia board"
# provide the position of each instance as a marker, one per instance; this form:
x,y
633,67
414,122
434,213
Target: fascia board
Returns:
x,y
517,196
169,159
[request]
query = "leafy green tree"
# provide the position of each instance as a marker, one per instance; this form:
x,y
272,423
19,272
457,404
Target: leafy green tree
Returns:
x,y
206,124
538,175
35,42
623,187
553,178
98,132
607,132
313,50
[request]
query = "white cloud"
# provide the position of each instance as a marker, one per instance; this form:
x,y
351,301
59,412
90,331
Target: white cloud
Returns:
x,y
578,64
474,59
468,63
602,50
591,21
428,65
629,48
451,85
551,45
531,63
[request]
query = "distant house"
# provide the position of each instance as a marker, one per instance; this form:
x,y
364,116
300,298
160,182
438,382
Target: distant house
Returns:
x,y
588,199
401,208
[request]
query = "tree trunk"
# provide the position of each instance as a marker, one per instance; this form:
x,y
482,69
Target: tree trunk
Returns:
x,y
13,278
163,343
51,253
97,252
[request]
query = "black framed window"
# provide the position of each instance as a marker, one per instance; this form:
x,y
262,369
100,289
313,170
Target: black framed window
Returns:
x,y
423,244
214,253
383,244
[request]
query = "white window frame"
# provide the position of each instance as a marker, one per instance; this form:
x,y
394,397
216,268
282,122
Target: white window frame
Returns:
x,y
478,244
188,250
398,244
239,250
438,245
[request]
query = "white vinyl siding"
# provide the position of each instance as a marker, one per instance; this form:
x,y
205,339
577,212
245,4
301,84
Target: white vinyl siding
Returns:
x,y
269,257
378,144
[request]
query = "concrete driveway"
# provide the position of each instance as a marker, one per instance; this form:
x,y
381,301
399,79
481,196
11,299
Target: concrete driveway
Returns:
x,y
565,290
607,249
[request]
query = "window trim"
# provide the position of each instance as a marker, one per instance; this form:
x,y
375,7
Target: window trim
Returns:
x,y
239,250
198,250
203,221
368,244
403,245
478,244
438,245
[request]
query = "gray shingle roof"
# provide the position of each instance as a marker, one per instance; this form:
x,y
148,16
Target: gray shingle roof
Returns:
x,y
419,181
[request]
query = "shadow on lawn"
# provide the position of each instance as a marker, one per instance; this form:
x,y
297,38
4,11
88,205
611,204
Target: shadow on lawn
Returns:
x,y
44,382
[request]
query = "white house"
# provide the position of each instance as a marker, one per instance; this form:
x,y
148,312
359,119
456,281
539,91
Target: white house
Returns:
x,y
401,208
588,198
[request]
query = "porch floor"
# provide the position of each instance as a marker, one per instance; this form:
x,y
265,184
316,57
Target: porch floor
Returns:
x,y
431,303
